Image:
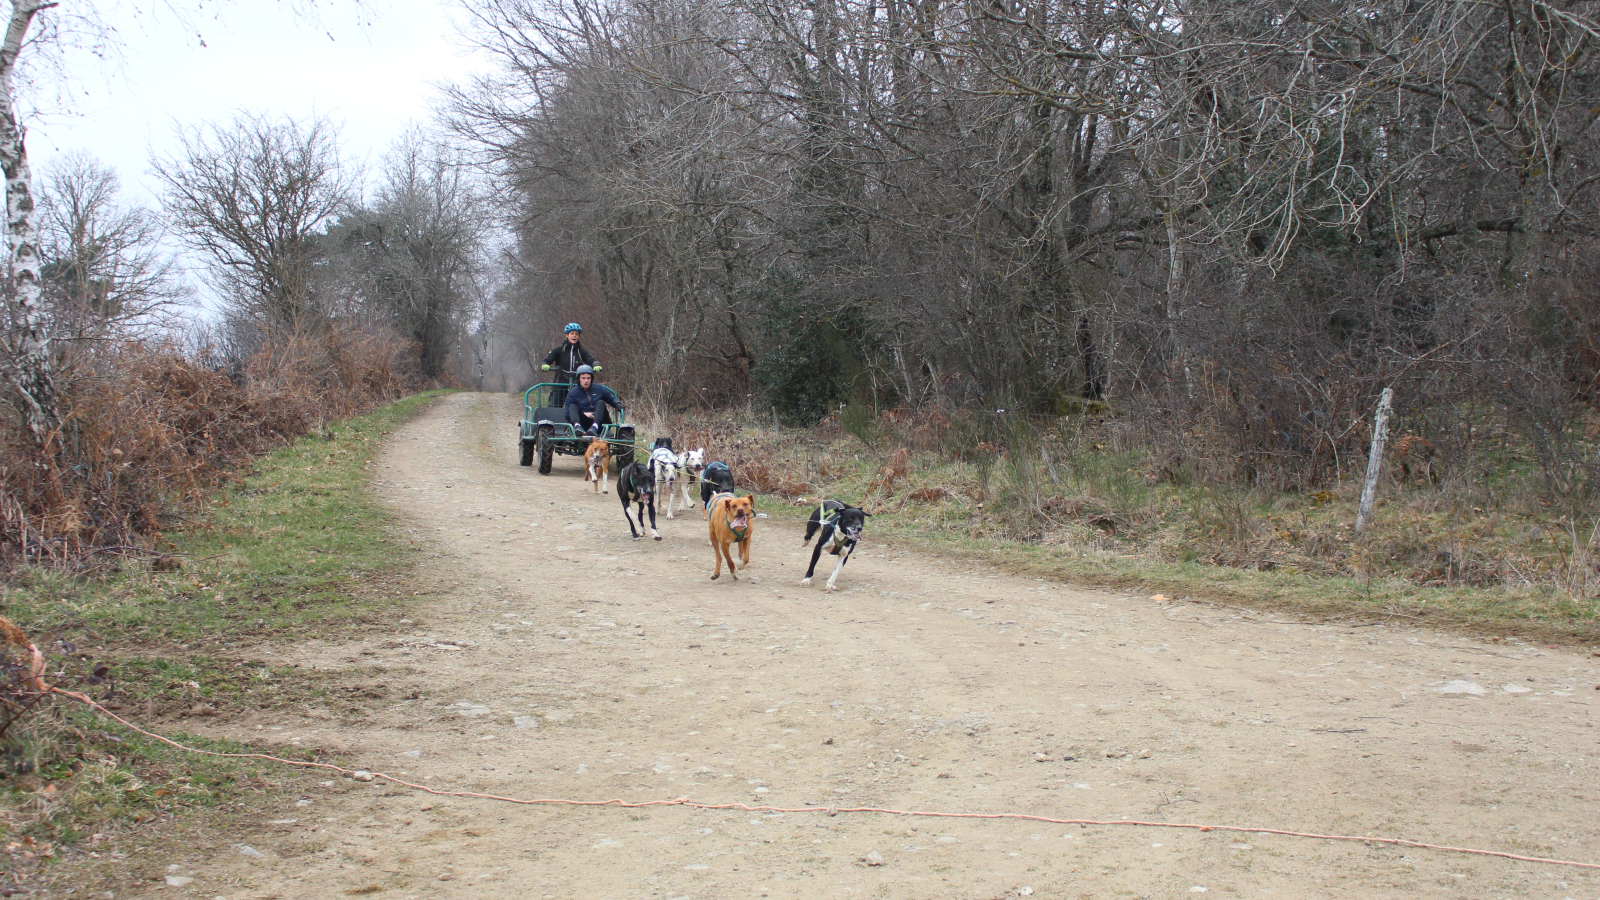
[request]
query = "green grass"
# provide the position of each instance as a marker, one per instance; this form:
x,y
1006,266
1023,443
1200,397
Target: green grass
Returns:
x,y
70,785
1485,552
299,542
1529,613
296,543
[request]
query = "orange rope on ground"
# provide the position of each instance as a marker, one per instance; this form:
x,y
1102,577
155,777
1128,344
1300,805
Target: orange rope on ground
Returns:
x,y
830,810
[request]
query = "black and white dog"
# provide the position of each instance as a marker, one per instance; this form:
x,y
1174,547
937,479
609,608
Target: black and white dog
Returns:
x,y
715,478
637,484
690,463
840,524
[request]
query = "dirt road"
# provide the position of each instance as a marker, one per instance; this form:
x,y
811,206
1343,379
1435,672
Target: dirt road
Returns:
x,y
567,660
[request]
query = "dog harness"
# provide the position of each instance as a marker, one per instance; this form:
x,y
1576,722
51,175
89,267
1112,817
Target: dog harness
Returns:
x,y
829,518
664,457
826,516
739,534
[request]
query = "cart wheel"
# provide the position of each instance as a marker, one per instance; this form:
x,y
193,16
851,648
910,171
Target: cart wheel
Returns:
x,y
527,452
623,454
546,451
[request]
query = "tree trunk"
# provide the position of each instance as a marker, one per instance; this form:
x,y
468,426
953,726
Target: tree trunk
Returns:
x,y
1369,488
483,352
26,351
1174,305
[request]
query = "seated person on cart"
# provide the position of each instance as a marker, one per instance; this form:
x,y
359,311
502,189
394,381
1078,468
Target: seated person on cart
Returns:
x,y
586,403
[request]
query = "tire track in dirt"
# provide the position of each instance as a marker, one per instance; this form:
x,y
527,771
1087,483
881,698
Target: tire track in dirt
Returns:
x,y
563,659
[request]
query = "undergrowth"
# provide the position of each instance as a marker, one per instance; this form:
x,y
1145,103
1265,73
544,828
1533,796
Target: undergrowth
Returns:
x,y
1474,542
296,544
149,431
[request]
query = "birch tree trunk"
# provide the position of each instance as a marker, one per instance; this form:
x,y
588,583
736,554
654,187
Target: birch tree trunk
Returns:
x,y
25,354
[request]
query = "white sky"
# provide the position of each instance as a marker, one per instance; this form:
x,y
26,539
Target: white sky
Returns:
x,y
375,70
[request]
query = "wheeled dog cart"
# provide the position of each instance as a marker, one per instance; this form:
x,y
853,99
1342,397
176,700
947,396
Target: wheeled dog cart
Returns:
x,y
545,431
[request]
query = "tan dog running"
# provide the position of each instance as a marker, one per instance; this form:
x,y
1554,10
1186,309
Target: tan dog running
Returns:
x,y
731,520
597,466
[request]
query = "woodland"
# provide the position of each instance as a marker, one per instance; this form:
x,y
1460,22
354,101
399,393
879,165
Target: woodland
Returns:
x,y
1231,223
1218,230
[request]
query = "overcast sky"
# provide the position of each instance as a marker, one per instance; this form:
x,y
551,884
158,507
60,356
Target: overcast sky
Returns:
x,y
373,70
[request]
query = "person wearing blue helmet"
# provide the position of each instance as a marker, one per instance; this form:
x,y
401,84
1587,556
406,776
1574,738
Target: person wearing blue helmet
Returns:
x,y
587,402
566,358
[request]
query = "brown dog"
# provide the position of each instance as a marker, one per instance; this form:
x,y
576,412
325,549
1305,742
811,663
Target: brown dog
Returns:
x,y
731,520
597,466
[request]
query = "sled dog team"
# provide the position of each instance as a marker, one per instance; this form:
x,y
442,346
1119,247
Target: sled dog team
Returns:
x,y
836,525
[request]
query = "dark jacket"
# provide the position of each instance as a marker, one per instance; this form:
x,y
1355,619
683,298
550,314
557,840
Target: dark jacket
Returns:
x,y
593,400
569,356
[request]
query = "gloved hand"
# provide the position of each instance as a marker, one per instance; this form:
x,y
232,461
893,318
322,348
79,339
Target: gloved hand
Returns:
x,y
599,368
545,367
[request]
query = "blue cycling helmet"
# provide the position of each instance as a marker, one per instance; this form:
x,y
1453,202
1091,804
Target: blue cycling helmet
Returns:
x,y
571,327
584,370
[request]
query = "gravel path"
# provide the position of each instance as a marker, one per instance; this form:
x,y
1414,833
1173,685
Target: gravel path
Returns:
x,y
563,659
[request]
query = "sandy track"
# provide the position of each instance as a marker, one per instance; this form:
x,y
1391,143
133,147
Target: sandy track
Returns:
x,y
591,666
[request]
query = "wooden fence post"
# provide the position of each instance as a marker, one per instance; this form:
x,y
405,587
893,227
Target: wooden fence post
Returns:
x,y
1380,432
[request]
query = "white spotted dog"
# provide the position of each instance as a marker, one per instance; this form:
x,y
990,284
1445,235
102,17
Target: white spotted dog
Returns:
x,y
840,524
666,467
691,464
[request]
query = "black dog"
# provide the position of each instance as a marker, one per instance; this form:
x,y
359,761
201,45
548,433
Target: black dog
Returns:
x,y
662,442
840,523
715,479
636,484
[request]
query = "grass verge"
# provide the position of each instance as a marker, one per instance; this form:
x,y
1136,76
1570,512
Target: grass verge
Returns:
x,y
1527,614
299,542
1484,554
293,544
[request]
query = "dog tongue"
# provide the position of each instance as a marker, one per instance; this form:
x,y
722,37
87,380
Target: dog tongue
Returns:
x,y
738,521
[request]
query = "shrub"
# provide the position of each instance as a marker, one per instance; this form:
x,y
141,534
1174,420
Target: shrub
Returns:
x,y
148,431
811,360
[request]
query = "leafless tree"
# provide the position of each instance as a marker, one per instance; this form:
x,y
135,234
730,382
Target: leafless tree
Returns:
x,y
103,266
648,197
1252,213
415,252
249,196
44,35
